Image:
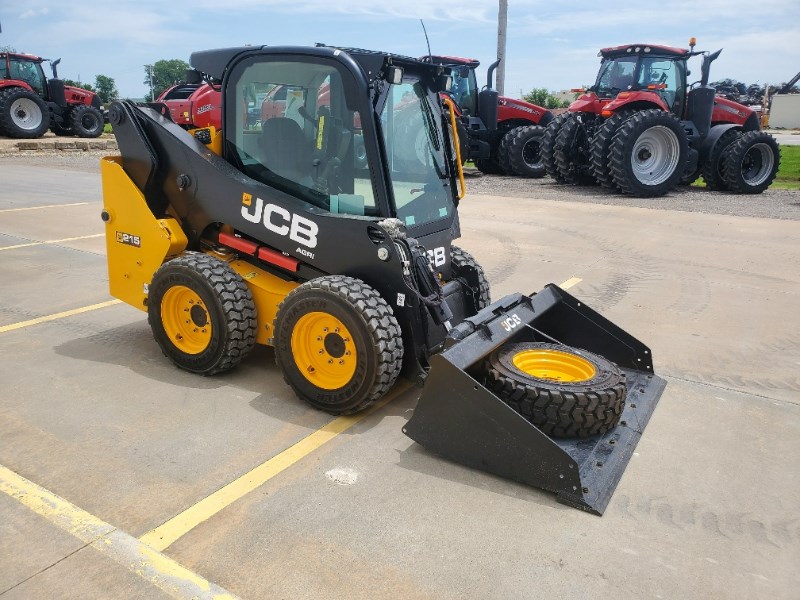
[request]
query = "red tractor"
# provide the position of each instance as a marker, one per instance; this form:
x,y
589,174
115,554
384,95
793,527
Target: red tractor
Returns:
x,y
30,104
194,104
643,130
503,134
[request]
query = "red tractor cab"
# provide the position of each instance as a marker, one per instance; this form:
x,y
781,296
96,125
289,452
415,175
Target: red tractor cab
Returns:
x,y
30,104
503,134
643,129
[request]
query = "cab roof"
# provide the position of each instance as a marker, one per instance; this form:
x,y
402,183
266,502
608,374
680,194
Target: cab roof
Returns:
x,y
628,49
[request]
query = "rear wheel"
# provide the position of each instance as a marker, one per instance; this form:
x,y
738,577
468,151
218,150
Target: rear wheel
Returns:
x,y
86,121
23,114
648,153
201,313
338,344
548,145
523,151
564,391
750,163
467,268
601,146
712,168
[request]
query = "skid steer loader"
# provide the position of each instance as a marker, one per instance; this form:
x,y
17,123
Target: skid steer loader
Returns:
x,y
279,235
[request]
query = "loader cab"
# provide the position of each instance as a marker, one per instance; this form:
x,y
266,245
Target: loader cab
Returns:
x,y
332,140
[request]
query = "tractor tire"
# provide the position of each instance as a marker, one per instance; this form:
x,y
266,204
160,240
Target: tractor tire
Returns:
x,y
750,163
86,121
572,152
712,168
338,344
564,391
547,147
466,268
522,147
648,154
201,313
488,167
601,146
23,114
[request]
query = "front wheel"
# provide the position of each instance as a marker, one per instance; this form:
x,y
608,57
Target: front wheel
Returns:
x,y
23,114
86,121
648,154
466,268
524,151
750,163
548,146
564,391
338,344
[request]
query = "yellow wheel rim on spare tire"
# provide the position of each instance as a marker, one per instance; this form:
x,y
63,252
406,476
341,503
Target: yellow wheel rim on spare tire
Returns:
x,y
324,351
554,365
185,319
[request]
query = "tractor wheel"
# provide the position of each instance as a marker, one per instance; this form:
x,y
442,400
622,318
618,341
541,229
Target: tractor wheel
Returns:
x,y
23,114
601,146
523,151
648,153
751,162
338,344
202,313
564,391
488,166
547,147
712,168
86,121
467,268
572,152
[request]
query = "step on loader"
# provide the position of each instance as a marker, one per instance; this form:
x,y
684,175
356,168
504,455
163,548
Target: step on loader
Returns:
x,y
282,233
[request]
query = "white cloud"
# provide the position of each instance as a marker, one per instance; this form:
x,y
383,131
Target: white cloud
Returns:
x,y
34,12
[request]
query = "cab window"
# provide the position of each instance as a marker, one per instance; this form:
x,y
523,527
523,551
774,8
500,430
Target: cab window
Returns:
x,y
661,75
305,140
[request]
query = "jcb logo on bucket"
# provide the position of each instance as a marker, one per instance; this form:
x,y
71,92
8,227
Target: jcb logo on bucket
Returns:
x,y
511,322
129,239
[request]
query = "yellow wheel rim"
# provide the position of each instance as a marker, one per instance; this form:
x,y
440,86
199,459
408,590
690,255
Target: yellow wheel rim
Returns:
x,y
554,365
324,351
186,320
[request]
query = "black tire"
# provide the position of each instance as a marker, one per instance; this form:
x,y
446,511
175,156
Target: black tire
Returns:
x,y
712,168
690,178
581,408
601,146
523,151
501,157
86,121
341,385
572,152
750,163
23,114
648,153
488,166
548,146
190,295
466,268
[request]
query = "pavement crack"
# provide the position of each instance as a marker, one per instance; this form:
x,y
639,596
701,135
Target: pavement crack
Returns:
x,y
47,568
729,389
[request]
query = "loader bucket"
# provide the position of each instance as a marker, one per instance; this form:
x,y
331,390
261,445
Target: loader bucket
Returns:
x,y
460,419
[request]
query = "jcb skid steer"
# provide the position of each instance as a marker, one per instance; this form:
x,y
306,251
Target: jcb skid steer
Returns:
x,y
275,232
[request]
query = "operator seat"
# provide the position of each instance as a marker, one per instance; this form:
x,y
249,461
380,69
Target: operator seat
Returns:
x,y
283,149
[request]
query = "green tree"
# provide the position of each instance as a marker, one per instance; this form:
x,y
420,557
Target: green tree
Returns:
x,y
106,88
545,98
163,74
78,84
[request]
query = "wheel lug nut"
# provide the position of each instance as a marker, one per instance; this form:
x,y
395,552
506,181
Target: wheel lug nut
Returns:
x,y
330,361
341,362
319,339
322,351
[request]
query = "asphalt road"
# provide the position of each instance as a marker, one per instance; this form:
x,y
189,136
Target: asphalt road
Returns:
x,y
93,413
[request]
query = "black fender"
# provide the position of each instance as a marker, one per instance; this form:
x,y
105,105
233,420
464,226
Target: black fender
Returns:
x,y
712,138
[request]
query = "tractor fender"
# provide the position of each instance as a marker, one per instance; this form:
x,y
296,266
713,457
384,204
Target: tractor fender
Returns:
x,y
708,143
12,83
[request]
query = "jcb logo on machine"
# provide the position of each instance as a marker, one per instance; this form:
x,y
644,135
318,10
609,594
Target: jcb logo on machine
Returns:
x,y
511,322
129,239
279,220
437,257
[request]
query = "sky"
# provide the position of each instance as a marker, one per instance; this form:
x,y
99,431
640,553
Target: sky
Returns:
x,y
549,44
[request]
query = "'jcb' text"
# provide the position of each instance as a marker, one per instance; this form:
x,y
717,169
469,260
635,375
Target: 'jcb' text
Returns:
x,y
279,220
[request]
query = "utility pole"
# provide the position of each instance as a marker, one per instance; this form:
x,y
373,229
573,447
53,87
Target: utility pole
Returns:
x,y
502,26
150,73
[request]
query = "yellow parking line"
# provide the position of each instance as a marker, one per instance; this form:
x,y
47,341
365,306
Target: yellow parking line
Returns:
x,y
72,239
4,210
166,534
61,315
570,282
124,549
